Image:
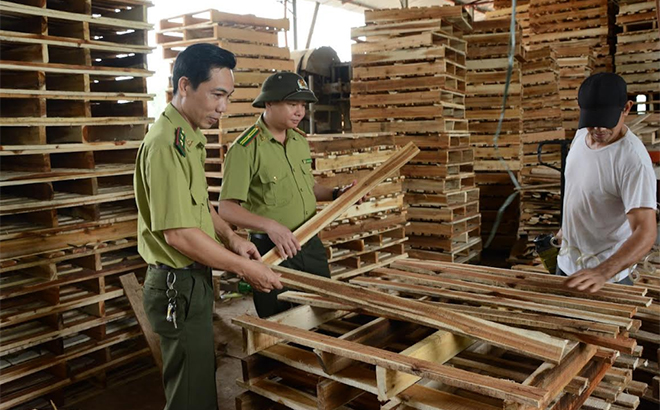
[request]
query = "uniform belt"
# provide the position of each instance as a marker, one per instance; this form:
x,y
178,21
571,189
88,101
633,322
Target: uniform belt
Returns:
x,y
192,266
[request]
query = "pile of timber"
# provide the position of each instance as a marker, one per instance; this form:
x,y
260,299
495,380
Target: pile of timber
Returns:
x,y
433,335
504,10
638,47
540,201
73,111
648,336
409,78
370,234
576,62
487,63
590,21
637,60
255,43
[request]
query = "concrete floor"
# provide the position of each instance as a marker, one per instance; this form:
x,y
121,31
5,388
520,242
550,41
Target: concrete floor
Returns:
x,y
147,393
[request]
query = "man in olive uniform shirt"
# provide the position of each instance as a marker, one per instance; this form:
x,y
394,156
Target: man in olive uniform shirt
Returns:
x,y
178,230
268,186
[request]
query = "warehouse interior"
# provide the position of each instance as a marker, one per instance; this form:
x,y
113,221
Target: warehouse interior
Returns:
x,y
456,116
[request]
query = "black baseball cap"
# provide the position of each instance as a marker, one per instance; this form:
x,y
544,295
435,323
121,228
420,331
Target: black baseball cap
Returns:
x,y
602,97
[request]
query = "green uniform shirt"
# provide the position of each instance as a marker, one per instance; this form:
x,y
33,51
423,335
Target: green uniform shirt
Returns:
x,y
170,188
271,179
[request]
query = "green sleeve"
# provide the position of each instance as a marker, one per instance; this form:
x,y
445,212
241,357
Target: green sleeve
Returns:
x,y
170,201
237,173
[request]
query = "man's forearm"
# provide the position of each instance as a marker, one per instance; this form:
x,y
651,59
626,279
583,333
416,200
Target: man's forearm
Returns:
x,y
235,214
632,250
221,227
200,247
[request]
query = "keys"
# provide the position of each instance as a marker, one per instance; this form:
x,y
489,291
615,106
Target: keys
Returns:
x,y
171,312
171,294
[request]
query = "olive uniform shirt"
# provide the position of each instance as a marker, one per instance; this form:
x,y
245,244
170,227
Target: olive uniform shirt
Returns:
x,y
170,187
271,179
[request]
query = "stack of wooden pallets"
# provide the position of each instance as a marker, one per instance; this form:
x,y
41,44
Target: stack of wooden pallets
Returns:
x,y
73,110
576,62
590,21
648,335
637,60
370,234
503,10
255,42
409,78
488,47
444,342
540,201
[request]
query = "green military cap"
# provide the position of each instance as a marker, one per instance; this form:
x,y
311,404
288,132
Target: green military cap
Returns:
x,y
284,86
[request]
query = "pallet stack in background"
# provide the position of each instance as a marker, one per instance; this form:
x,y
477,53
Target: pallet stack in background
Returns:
x,y
409,78
487,62
576,63
540,200
567,21
371,234
637,60
255,42
73,109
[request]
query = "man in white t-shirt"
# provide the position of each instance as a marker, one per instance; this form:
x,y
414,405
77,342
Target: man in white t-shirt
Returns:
x,y
609,218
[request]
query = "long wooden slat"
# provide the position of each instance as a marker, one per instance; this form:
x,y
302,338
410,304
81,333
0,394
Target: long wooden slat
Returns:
x,y
341,204
529,343
502,389
606,308
10,7
133,291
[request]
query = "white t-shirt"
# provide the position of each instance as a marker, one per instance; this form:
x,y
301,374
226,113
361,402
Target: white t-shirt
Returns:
x,y
602,186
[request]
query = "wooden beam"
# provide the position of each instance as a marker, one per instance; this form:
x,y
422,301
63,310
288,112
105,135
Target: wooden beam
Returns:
x,y
133,291
341,204
526,395
528,343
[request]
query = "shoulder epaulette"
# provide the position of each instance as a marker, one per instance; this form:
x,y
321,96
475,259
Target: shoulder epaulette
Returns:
x,y
301,132
248,136
180,141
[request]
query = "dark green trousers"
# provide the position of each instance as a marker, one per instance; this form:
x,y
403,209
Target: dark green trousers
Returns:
x,y
311,259
188,350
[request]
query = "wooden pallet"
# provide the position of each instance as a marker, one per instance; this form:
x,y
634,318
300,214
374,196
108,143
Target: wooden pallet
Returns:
x,y
73,113
349,340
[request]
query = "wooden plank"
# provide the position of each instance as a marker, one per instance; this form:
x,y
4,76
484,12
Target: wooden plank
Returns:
x,y
11,7
133,291
534,344
341,204
28,38
527,395
73,69
436,348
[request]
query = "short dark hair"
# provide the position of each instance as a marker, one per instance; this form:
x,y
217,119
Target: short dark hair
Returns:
x,y
197,61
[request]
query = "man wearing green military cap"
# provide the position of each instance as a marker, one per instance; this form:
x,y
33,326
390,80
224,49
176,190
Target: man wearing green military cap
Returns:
x,y
179,234
268,186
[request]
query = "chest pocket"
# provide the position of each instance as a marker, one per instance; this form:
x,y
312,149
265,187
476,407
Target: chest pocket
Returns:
x,y
276,188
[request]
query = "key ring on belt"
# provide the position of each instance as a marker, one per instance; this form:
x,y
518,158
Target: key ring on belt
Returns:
x,y
171,293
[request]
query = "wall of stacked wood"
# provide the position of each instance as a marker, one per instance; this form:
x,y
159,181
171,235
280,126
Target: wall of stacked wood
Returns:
x,y
409,79
637,60
255,42
73,110
371,234
488,48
